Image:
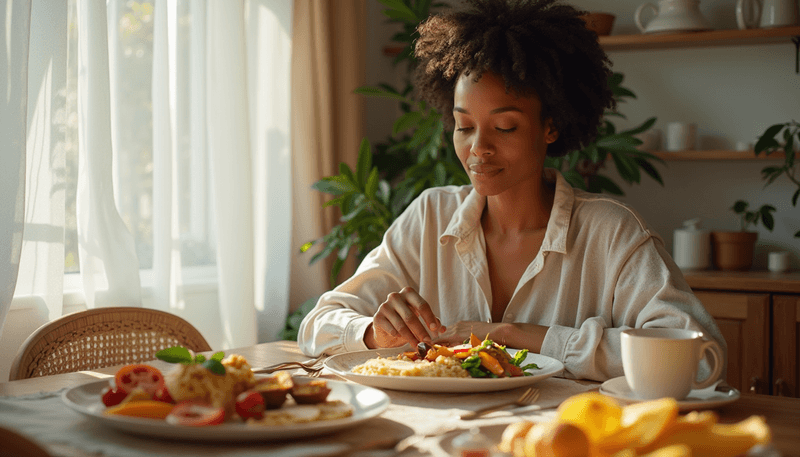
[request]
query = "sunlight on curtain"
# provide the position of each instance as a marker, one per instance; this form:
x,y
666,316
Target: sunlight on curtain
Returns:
x,y
14,28
108,263
177,113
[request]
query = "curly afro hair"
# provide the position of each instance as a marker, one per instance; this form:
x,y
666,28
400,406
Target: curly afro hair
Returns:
x,y
539,47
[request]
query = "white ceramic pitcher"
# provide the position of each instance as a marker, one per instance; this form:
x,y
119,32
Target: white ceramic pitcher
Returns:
x,y
671,16
771,13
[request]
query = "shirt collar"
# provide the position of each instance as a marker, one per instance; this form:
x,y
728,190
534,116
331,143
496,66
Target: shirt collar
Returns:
x,y
467,217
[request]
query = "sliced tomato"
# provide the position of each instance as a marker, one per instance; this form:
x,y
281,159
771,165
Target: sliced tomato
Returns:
x,y
146,377
250,404
162,394
112,396
194,414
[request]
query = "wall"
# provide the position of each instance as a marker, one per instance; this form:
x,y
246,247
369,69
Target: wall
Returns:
x,y
732,93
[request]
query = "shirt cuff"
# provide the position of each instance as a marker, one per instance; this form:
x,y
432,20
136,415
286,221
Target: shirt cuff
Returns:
x,y
555,342
354,334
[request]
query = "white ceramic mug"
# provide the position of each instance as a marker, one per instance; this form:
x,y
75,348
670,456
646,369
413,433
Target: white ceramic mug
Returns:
x,y
663,362
766,14
681,136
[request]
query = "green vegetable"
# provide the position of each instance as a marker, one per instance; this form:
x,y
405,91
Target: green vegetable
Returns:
x,y
179,354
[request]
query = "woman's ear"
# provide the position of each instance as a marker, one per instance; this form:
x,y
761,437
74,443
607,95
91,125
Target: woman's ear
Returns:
x,y
550,132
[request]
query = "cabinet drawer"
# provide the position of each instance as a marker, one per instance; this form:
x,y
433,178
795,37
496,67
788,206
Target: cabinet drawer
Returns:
x,y
744,322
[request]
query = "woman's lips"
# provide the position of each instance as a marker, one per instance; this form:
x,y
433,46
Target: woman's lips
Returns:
x,y
483,169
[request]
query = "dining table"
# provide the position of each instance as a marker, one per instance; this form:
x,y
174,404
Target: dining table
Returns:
x,y
413,423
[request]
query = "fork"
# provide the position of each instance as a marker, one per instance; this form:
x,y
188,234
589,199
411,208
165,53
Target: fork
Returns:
x,y
529,397
309,366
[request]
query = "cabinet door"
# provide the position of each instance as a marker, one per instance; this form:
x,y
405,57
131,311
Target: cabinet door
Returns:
x,y
786,345
743,320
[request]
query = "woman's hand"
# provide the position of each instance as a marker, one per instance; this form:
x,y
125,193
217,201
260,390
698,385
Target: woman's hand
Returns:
x,y
461,331
405,317
514,335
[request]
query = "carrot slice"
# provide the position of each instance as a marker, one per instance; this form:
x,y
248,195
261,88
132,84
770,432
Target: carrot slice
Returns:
x,y
151,409
491,363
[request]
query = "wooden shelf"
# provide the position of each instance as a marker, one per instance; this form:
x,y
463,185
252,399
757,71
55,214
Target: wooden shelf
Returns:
x,y
744,281
699,39
715,155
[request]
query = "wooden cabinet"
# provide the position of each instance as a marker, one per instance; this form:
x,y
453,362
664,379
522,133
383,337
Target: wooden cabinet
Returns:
x,y
743,320
758,314
786,345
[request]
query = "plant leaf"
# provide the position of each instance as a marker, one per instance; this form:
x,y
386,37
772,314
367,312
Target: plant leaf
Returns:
x,y
334,185
740,206
380,92
406,121
767,140
372,184
364,163
642,128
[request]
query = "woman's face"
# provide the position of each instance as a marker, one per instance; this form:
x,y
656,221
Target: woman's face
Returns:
x,y
499,137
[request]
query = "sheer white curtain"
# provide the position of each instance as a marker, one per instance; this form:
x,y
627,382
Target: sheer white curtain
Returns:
x,y
178,114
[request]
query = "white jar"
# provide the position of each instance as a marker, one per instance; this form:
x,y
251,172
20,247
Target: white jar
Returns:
x,y
692,246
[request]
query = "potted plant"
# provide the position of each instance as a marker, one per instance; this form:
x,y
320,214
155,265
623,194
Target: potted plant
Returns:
x,y
734,250
419,154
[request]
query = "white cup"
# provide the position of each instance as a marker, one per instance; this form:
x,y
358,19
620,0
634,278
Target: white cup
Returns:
x,y
681,136
778,13
778,262
663,362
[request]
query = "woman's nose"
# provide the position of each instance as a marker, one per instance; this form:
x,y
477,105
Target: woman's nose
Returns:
x,y
481,144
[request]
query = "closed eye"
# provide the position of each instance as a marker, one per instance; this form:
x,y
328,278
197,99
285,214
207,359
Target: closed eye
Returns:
x,y
505,130
463,129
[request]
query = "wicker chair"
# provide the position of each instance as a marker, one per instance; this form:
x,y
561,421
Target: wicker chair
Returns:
x,y
102,337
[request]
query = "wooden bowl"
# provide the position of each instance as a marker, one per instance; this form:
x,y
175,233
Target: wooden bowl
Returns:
x,y
599,23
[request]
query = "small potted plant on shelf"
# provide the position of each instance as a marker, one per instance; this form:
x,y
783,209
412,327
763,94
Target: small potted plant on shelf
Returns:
x,y
734,250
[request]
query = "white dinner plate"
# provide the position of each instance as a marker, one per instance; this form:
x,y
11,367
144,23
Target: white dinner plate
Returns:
x,y
342,365
367,403
708,398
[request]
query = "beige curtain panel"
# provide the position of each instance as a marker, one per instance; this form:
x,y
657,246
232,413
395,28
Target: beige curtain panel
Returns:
x,y
328,64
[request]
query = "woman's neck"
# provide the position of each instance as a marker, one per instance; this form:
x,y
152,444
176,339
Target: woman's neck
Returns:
x,y
518,210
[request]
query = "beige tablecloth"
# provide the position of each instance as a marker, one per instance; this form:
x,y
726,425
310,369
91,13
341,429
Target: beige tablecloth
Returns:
x,y
67,433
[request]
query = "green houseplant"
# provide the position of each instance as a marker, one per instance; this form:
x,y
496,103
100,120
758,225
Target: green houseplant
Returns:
x,y
419,154
768,143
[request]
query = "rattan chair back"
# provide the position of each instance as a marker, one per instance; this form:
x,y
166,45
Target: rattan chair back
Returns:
x,y
102,337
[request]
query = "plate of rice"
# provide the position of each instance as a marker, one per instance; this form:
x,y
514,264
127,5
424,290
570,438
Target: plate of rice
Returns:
x,y
389,369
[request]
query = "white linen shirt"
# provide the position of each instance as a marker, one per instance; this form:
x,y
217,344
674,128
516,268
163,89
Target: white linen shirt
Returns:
x,y
600,270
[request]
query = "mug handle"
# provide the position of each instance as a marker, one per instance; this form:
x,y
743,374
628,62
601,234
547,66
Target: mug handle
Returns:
x,y
637,16
747,13
716,353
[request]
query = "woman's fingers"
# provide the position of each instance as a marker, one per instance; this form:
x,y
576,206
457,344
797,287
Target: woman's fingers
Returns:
x,y
406,315
422,309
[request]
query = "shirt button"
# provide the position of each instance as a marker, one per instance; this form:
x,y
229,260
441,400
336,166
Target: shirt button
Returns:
x,y
510,315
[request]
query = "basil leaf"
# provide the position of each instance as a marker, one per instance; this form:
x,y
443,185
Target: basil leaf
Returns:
x,y
218,356
199,358
214,366
175,354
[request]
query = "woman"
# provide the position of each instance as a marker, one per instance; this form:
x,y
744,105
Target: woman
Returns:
x,y
519,255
